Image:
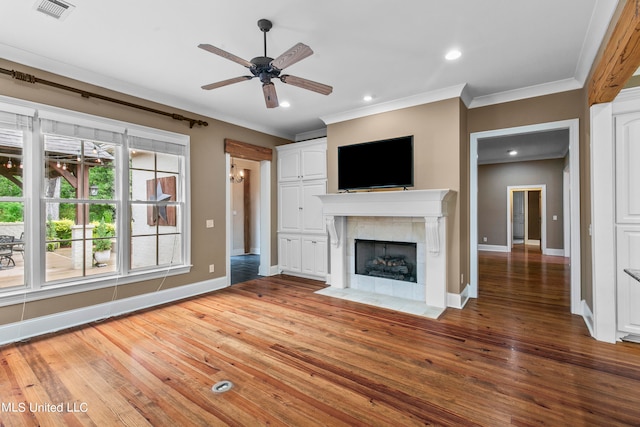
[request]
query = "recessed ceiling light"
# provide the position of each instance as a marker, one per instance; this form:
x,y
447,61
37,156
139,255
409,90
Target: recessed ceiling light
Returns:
x,y
367,98
512,152
453,54
285,104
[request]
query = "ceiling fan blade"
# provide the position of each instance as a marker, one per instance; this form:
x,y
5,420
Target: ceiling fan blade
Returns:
x,y
293,55
306,84
226,82
225,54
270,96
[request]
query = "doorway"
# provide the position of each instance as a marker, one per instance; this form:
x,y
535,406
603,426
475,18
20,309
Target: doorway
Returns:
x,y
244,177
526,216
574,182
261,156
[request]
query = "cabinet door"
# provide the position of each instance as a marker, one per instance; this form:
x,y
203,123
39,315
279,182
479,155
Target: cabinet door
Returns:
x,y
289,207
628,294
289,256
314,255
312,220
308,263
289,165
627,170
321,256
314,162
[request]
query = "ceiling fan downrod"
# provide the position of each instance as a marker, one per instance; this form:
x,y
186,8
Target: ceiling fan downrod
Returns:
x,y
265,25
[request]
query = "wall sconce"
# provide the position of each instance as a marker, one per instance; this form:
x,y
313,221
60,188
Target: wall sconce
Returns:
x,y
93,190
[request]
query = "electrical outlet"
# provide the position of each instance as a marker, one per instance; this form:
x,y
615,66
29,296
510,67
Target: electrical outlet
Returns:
x,y
210,223
212,268
484,240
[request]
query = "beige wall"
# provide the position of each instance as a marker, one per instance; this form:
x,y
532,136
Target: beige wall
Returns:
x,y
438,155
493,181
208,180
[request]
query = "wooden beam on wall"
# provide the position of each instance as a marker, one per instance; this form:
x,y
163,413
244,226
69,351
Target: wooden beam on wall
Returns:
x,y
621,57
242,150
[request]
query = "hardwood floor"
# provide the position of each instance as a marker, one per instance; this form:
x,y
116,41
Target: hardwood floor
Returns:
x,y
514,356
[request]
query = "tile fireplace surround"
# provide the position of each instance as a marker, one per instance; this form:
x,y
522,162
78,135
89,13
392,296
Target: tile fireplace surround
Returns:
x,y
418,216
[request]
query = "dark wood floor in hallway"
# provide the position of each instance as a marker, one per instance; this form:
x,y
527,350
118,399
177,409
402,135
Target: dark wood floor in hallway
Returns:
x,y
514,356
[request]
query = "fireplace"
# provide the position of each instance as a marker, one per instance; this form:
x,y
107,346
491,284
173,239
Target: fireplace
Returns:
x,y
395,217
385,259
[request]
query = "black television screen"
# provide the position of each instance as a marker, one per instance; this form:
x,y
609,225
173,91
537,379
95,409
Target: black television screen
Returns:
x,y
377,164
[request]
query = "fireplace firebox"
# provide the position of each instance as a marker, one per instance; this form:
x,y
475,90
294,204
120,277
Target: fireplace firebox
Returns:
x,y
384,259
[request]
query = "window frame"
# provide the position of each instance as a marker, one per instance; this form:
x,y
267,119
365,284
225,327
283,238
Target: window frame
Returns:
x,y
35,287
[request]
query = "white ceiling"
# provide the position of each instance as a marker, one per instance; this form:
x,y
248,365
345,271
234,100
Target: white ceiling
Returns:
x,y
528,146
393,50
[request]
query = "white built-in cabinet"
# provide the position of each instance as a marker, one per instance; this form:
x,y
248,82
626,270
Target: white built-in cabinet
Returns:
x,y
627,223
302,234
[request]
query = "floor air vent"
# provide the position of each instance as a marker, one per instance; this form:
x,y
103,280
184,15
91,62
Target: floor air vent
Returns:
x,y
55,8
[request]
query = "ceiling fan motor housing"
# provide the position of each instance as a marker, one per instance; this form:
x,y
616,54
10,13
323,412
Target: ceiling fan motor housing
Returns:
x,y
263,69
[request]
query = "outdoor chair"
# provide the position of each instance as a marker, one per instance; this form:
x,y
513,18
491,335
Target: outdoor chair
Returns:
x,y
20,246
6,251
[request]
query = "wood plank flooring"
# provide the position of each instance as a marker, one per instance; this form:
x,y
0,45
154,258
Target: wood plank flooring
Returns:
x,y
514,356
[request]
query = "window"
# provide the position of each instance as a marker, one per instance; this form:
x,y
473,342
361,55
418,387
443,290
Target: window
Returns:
x,y
156,202
106,201
15,129
80,207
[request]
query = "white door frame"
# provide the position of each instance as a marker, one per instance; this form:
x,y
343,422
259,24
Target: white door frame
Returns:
x,y
602,315
265,218
574,159
543,208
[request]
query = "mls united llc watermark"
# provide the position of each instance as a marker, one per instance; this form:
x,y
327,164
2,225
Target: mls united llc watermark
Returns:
x,y
21,407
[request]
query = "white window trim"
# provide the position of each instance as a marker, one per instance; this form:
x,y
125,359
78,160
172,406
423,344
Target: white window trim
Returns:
x,y
34,273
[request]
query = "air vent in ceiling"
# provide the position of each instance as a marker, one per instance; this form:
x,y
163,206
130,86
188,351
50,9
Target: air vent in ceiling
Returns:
x,y
55,8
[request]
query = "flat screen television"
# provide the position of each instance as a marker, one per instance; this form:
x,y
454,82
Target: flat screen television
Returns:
x,y
377,164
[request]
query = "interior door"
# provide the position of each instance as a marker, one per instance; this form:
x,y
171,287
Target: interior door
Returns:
x,y
518,216
534,215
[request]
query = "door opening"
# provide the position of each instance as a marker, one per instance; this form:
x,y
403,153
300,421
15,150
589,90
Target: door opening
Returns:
x,y
573,159
526,213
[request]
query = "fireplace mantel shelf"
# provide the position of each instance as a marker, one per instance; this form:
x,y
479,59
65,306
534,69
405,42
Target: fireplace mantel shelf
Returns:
x,y
413,203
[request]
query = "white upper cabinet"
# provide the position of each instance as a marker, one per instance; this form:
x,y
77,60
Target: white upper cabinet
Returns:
x,y
303,160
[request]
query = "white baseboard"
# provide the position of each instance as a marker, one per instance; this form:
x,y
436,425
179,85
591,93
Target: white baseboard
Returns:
x,y
587,315
19,331
554,252
493,248
458,300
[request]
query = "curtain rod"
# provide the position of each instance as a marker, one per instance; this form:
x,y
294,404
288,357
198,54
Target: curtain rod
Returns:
x,y
30,78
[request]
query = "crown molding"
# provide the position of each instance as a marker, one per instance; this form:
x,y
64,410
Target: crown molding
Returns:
x,y
458,91
526,92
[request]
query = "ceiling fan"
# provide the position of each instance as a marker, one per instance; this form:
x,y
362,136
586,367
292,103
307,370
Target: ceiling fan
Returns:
x,y
266,68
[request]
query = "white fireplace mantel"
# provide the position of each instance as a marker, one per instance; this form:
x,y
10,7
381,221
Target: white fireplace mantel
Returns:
x,y
428,204
387,203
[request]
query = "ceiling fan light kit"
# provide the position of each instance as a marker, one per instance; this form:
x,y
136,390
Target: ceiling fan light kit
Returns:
x,y
266,68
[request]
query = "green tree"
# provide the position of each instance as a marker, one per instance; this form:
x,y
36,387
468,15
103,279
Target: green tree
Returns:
x,y
10,211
